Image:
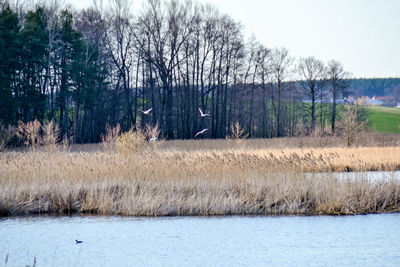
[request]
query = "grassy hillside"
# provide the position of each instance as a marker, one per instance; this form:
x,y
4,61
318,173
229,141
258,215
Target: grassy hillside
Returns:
x,y
384,119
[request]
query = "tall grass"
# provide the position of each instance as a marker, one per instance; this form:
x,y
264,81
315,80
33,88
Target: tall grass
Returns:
x,y
363,140
168,182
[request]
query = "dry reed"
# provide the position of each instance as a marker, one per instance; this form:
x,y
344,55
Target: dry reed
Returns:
x,y
169,182
364,140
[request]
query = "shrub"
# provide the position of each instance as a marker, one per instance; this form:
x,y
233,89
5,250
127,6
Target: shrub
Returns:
x,y
29,133
352,124
237,134
132,141
50,136
109,140
152,134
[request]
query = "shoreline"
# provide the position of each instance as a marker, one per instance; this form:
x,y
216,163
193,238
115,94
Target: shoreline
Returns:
x,y
92,215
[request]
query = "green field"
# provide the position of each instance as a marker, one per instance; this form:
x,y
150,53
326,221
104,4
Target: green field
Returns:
x,y
384,119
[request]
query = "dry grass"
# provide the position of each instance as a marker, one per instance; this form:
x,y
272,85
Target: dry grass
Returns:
x,y
168,182
364,140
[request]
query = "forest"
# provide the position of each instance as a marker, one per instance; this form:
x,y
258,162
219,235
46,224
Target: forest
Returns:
x,y
177,65
376,87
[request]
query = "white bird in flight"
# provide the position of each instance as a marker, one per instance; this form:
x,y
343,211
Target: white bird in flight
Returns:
x,y
201,132
203,114
147,111
153,139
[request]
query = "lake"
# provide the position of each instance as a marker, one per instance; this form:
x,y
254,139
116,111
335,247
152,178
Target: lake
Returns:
x,y
365,240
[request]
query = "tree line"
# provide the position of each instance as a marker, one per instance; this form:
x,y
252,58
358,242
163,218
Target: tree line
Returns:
x,y
380,87
180,65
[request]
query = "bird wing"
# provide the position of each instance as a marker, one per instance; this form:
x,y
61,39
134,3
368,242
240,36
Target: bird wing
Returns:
x,y
201,132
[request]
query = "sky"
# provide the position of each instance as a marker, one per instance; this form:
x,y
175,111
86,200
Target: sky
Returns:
x,y
364,35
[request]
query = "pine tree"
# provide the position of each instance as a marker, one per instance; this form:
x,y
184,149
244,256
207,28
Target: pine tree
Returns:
x,y
68,49
33,59
9,51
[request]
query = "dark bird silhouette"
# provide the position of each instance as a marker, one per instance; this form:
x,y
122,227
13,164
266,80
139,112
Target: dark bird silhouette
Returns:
x,y
78,242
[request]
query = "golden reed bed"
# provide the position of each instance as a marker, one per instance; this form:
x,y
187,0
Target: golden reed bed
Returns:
x,y
167,182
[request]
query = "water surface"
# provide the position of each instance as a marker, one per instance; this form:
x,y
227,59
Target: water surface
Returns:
x,y
367,240
369,176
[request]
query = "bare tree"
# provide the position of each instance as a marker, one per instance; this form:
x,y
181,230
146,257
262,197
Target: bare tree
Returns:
x,y
168,26
280,68
352,123
120,43
52,10
338,85
263,74
106,66
312,71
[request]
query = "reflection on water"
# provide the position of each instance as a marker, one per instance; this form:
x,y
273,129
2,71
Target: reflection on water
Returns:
x,y
369,240
370,176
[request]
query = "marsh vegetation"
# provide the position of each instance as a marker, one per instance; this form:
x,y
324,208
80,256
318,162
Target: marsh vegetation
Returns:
x,y
207,177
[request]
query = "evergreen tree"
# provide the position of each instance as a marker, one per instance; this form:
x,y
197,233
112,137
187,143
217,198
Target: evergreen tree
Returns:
x,y
33,60
9,54
68,49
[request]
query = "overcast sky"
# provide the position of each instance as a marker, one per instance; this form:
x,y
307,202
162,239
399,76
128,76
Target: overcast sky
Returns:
x,y
362,34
